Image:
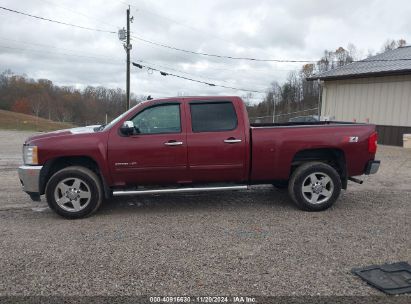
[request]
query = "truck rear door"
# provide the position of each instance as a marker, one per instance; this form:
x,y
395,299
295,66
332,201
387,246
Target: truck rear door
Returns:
x,y
216,142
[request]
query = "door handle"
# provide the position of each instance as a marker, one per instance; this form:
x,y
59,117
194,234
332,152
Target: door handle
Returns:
x,y
232,140
173,143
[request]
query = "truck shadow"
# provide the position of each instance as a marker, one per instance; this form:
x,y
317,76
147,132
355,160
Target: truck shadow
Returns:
x,y
268,197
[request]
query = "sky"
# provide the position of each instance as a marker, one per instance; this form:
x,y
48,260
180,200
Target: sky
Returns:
x,y
268,29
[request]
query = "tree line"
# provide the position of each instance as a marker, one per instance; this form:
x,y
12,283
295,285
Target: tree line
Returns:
x,y
92,105
44,99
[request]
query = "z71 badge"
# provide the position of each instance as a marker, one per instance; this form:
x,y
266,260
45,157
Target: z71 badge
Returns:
x,y
351,139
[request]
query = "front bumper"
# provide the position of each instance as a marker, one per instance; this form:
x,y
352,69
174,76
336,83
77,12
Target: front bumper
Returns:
x,y
30,179
372,167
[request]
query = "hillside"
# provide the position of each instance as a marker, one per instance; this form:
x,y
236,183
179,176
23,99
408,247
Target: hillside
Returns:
x,y
17,121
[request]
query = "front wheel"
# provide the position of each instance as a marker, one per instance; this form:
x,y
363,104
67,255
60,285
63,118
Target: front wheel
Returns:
x,y
314,186
74,192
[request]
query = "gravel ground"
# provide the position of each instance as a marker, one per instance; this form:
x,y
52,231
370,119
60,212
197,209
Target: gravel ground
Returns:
x,y
247,242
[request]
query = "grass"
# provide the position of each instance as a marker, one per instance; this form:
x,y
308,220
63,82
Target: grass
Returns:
x,y
23,122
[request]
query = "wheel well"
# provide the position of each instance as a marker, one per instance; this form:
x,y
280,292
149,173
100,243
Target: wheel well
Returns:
x,y
55,165
333,157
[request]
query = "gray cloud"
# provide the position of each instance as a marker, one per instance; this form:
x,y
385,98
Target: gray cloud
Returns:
x,y
293,29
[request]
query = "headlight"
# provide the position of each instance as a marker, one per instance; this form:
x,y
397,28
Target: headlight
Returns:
x,y
30,156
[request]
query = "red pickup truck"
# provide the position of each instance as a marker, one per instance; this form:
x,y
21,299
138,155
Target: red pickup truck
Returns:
x,y
187,144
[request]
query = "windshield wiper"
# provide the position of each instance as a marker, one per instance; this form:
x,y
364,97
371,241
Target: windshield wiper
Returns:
x,y
99,128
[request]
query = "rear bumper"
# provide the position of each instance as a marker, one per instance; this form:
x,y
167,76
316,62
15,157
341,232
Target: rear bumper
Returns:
x,y
30,179
372,167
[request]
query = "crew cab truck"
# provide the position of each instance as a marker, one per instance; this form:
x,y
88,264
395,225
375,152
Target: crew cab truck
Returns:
x,y
187,144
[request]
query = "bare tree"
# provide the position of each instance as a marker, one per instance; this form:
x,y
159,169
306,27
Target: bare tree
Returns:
x,y
392,44
38,102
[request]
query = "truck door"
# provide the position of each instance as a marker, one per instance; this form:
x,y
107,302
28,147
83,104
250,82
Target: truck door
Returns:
x,y
157,154
216,142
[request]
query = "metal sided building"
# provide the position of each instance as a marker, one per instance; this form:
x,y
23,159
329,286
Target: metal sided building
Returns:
x,y
375,90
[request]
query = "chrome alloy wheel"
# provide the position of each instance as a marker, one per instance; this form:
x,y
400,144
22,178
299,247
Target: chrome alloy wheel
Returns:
x,y
317,188
72,194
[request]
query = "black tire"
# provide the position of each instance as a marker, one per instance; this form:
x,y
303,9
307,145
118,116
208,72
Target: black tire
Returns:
x,y
328,190
90,186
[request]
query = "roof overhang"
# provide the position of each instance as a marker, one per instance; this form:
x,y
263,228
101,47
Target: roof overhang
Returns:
x,y
361,75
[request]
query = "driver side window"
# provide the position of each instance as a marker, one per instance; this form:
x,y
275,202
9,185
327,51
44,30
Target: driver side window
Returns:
x,y
158,119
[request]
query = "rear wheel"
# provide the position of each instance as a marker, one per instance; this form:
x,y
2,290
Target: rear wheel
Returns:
x,y
74,192
314,186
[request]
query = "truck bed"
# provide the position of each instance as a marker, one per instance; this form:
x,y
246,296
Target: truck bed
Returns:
x,y
275,147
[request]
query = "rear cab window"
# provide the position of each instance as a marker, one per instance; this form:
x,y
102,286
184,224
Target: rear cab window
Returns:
x,y
213,116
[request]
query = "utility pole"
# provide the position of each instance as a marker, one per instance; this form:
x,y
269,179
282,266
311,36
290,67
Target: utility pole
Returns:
x,y
124,35
128,48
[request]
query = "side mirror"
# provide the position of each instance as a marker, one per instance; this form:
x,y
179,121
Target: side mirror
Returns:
x,y
127,128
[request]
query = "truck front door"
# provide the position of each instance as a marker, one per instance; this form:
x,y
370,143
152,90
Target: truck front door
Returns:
x,y
156,153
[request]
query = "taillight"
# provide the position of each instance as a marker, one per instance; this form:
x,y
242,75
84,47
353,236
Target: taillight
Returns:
x,y
372,142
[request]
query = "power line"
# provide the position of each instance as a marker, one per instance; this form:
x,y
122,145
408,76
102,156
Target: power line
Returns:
x,y
176,70
236,69
56,21
221,56
140,66
256,59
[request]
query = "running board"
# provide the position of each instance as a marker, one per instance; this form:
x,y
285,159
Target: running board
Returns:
x,y
178,190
